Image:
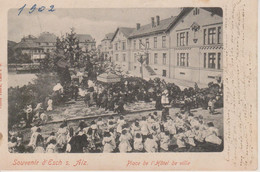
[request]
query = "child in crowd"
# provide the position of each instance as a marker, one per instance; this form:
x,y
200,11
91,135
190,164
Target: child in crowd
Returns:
x,y
39,144
164,141
180,138
138,143
212,134
124,145
150,144
51,148
144,128
107,142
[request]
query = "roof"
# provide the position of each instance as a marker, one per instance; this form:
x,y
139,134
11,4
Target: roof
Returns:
x,y
108,36
218,11
125,30
11,44
26,44
185,11
47,37
85,38
148,29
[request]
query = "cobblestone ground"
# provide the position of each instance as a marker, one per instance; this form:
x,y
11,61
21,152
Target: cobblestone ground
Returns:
x,y
78,110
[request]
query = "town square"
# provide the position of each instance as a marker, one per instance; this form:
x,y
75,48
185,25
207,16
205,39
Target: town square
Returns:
x,y
123,83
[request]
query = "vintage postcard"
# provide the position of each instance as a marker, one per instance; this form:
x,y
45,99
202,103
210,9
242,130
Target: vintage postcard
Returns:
x,y
128,85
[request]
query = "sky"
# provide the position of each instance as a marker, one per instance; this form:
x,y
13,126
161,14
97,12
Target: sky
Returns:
x,y
96,22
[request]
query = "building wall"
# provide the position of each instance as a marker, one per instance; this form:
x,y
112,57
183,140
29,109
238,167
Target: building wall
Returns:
x,y
187,54
157,65
121,55
106,48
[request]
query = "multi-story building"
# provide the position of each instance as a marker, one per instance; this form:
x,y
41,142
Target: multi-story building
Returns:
x,y
188,47
152,42
28,46
47,41
106,46
196,45
121,47
86,42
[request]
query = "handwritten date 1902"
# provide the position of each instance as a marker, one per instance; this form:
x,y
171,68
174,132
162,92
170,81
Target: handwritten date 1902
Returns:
x,y
34,7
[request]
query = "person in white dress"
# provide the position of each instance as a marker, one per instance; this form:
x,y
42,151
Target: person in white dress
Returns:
x,y
124,145
150,144
138,143
144,128
108,143
51,148
212,134
49,108
164,141
35,132
165,99
180,138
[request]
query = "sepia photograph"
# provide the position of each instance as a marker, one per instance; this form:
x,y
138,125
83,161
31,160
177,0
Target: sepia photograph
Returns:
x,y
115,80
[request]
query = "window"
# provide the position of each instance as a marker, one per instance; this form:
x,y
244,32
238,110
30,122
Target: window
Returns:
x,y
183,39
205,60
219,60
164,58
155,58
187,38
205,37
212,35
135,58
147,43
164,42
123,45
116,57
140,44
177,39
124,57
155,42
211,60
116,46
164,73
182,59
134,44
219,35
178,59
187,59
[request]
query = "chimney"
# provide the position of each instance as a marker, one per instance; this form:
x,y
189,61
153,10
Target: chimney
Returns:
x,y
158,20
138,25
152,18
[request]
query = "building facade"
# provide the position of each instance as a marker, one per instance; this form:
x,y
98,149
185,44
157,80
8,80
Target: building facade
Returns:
x,y
196,45
187,47
86,42
106,46
122,48
152,42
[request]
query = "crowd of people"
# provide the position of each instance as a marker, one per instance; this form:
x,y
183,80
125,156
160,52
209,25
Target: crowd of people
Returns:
x,y
156,132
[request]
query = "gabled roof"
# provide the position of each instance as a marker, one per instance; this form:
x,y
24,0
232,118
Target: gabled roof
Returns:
x,y
47,37
148,29
185,11
28,44
84,38
108,36
125,30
